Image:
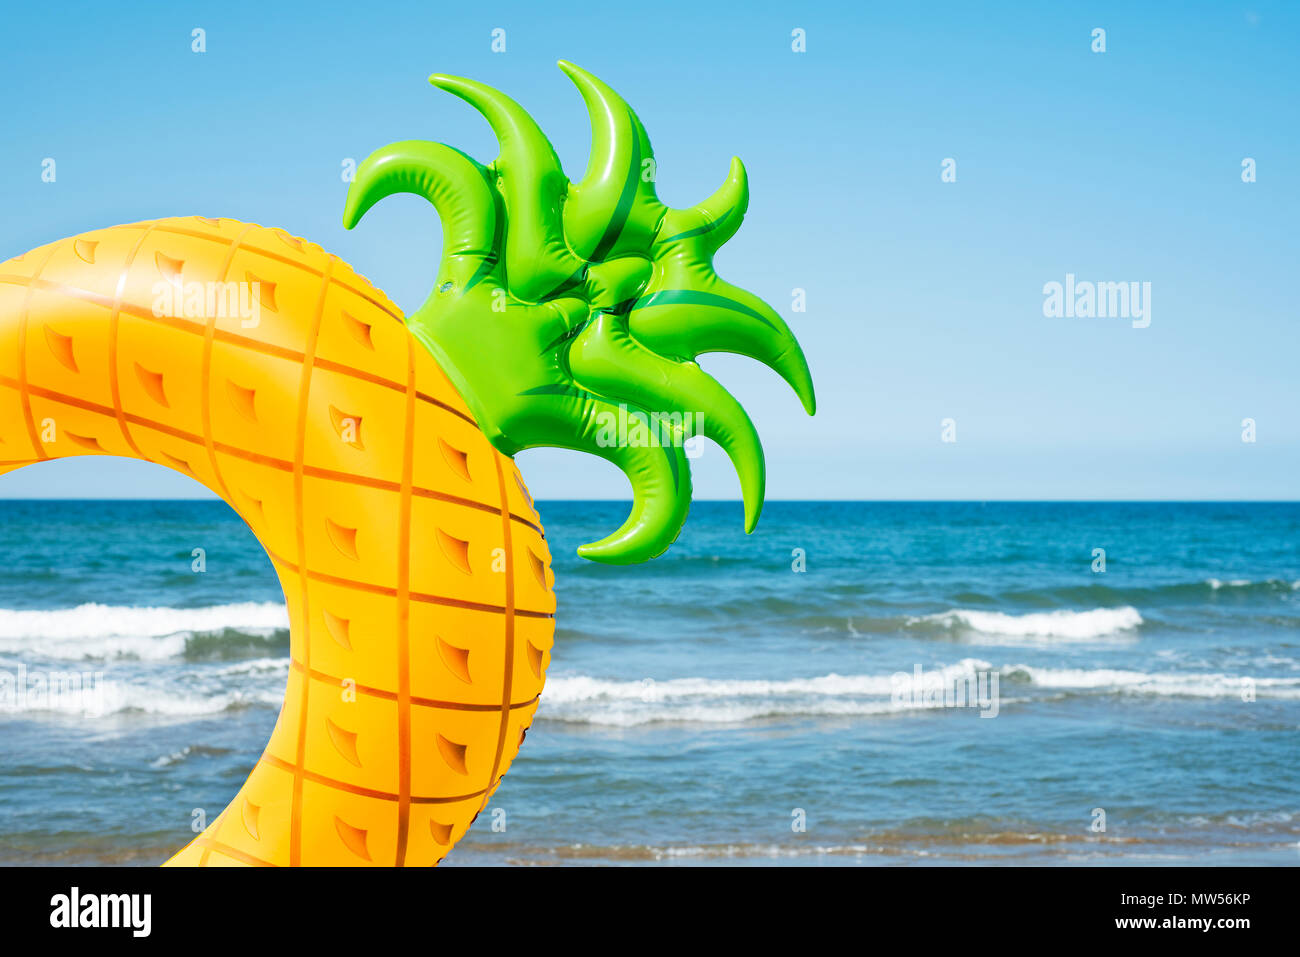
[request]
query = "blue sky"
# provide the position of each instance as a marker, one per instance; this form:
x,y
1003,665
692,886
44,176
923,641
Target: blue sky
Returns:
x,y
924,298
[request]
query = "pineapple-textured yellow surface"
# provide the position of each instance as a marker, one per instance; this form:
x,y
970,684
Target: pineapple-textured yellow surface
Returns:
x,y
413,563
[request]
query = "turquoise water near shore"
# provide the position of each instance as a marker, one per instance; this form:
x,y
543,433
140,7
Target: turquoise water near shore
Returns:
x,y
704,708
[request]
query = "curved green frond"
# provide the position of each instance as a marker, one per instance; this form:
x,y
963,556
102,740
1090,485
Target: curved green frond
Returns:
x,y
613,210
687,314
715,220
605,357
530,178
455,185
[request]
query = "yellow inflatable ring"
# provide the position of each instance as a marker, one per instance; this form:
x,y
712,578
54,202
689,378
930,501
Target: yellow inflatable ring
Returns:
x,y
412,561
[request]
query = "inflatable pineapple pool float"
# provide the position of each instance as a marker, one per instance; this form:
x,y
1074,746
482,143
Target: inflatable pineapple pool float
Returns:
x,y
370,453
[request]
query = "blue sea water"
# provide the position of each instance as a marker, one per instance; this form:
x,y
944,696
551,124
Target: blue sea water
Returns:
x,y
743,699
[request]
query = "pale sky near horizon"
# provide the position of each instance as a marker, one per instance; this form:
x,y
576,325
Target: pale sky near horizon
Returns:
x,y
924,298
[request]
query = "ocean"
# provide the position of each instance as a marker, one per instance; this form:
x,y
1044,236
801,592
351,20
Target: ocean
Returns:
x,y
855,683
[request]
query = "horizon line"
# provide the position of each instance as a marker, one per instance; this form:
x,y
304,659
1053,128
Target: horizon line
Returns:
x,y
770,501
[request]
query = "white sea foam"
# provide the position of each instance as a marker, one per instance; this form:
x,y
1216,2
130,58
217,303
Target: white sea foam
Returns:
x,y
1067,625
114,631
1217,584
181,696
175,757
122,697
1173,684
588,700
599,701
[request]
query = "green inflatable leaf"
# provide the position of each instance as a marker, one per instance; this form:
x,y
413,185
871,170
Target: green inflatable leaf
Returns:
x,y
570,315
